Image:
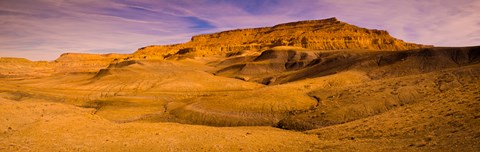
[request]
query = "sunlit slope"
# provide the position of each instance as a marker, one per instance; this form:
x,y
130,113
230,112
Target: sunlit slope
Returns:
x,y
39,125
179,91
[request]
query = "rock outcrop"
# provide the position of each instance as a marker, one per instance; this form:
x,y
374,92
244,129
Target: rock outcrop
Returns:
x,y
66,63
327,34
20,67
82,62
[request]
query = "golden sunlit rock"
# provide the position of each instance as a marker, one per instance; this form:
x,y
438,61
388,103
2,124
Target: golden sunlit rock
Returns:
x,y
327,34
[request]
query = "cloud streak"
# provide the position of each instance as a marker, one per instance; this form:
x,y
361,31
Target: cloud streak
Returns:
x,y
43,29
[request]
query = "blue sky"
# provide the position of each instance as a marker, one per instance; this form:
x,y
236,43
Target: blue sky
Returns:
x,y
43,29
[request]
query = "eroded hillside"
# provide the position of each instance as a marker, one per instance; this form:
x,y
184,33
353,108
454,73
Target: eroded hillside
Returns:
x,y
327,34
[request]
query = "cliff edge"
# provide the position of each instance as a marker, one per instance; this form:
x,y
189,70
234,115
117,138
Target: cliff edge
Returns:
x,y
326,34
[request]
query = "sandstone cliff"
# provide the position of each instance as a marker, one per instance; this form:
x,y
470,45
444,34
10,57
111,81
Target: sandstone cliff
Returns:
x,y
327,34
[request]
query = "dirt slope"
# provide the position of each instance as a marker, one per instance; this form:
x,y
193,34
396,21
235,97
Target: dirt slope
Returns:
x,y
286,64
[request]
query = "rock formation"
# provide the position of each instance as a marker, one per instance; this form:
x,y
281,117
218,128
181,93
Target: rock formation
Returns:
x,y
327,34
66,63
82,62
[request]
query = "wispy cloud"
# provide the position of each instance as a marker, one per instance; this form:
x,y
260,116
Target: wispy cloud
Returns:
x,y
43,29
437,22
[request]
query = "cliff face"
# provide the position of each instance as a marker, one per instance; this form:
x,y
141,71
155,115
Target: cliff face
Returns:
x,y
327,34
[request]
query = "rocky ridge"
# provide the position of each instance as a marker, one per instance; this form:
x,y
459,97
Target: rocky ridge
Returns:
x,y
326,34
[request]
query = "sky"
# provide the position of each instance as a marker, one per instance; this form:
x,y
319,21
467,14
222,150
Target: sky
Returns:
x,y
44,29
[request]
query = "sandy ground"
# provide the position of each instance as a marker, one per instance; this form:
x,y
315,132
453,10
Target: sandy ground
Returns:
x,y
414,101
46,126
